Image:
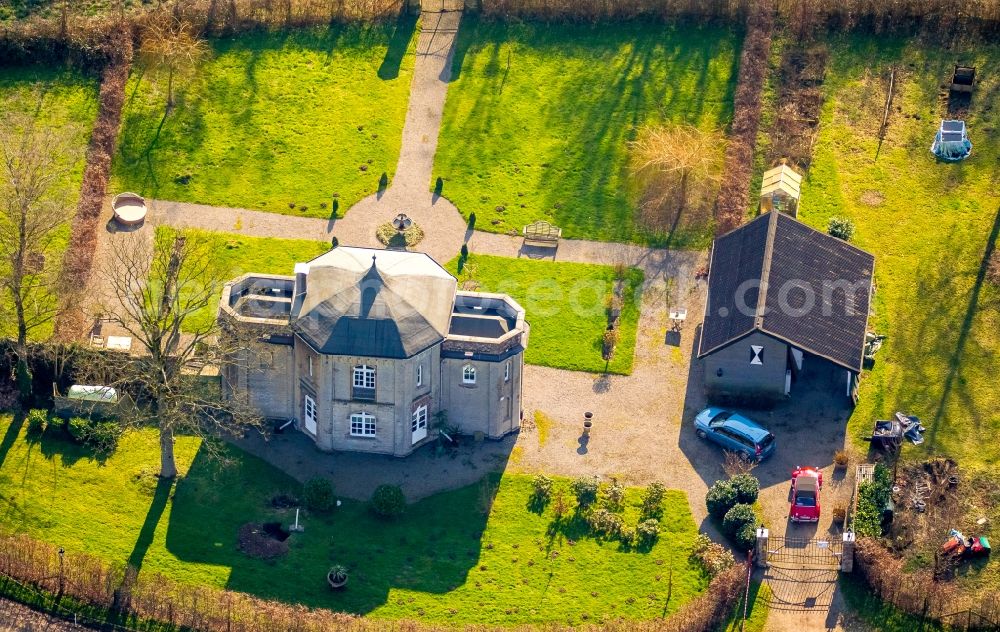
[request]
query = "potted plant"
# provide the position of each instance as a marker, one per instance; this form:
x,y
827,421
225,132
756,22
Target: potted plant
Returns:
x,y
337,576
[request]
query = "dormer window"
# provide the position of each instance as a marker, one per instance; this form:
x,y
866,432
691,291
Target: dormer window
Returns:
x,y
364,382
468,374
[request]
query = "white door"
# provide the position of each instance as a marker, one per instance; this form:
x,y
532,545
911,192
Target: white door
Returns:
x,y
419,424
309,415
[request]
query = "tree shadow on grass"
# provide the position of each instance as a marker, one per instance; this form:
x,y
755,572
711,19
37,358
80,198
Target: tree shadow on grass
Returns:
x,y
153,515
10,436
399,43
431,548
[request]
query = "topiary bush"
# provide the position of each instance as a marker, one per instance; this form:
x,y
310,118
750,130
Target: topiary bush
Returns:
x,y
77,428
738,517
103,436
652,500
604,522
746,538
585,488
388,501
318,494
614,495
647,531
841,228
541,487
720,498
38,421
747,488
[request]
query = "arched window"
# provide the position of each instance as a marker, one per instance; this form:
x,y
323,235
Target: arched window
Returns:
x,y
468,374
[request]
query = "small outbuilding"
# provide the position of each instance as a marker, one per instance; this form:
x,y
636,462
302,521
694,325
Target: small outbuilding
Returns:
x,y
779,190
780,295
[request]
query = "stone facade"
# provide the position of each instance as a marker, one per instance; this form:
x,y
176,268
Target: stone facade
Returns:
x,y
382,401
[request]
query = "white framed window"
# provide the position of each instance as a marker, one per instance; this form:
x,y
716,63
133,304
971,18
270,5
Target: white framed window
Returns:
x,y
310,359
420,375
418,423
362,425
468,374
309,414
364,376
506,372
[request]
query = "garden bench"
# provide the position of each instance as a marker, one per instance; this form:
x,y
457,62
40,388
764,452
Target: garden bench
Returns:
x,y
542,233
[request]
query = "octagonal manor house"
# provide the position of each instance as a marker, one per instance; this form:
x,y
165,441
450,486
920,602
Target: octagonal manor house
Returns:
x,y
363,347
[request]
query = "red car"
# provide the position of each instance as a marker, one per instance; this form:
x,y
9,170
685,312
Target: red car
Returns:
x,y
806,483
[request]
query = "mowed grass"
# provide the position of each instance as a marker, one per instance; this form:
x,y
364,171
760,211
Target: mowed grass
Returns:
x,y
235,255
539,116
566,305
454,557
53,99
310,120
929,225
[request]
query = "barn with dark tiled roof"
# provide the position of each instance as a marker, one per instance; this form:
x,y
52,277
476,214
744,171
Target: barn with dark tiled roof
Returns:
x,y
781,294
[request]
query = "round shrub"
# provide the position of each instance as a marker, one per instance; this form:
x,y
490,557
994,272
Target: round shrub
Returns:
x,y
102,437
614,495
604,522
77,428
841,228
38,421
747,488
720,498
746,538
647,531
541,487
388,501
736,518
318,494
585,488
652,499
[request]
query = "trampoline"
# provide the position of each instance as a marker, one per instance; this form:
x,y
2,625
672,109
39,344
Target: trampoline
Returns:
x,y
129,208
951,142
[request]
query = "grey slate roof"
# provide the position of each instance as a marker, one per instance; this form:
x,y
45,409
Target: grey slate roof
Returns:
x,y
398,306
757,275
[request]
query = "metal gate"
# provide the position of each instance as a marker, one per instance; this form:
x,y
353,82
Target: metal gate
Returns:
x,y
804,553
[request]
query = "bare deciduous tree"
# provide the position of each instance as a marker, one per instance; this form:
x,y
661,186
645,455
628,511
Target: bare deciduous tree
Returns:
x,y
155,290
678,167
173,47
33,208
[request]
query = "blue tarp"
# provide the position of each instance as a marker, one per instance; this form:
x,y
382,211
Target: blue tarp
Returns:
x,y
951,142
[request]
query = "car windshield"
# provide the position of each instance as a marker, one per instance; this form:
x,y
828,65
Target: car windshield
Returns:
x,y
720,418
767,441
805,499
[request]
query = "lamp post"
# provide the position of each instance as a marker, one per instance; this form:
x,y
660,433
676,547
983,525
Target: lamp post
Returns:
x,y
62,554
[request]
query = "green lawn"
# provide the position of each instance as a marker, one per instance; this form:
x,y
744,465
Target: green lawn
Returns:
x,y
928,223
438,562
237,255
566,305
273,120
538,118
56,99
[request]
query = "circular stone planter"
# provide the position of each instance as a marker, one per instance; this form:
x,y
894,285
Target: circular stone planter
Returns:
x,y
129,209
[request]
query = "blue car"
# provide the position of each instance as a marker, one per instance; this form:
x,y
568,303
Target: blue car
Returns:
x,y
734,432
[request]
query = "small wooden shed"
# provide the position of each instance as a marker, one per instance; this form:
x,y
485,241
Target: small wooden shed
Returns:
x,y
780,190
